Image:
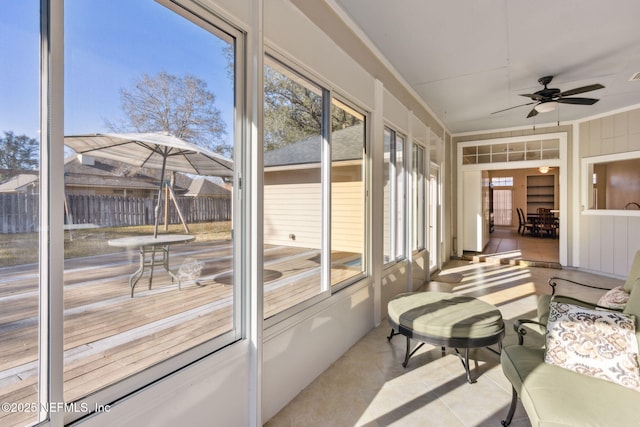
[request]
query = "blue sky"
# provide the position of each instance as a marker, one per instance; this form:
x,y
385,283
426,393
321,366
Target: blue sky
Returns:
x,y
108,45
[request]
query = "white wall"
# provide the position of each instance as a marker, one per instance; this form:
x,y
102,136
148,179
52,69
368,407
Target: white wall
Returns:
x,y
472,223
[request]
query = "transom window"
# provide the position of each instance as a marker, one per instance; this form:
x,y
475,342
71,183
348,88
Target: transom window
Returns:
x,y
511,152
504,181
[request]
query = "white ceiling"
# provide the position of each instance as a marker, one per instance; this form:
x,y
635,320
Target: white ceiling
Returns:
x,y
469,58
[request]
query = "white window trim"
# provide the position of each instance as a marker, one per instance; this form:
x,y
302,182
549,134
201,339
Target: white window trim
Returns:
x,y
51,363
586,172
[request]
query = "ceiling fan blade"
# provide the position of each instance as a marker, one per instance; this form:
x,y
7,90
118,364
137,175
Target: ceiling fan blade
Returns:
x,y
578,101
511,108
534,96
532,113
582,89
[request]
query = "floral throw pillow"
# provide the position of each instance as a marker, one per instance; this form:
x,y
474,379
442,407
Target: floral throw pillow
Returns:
x,y
614,298
598,343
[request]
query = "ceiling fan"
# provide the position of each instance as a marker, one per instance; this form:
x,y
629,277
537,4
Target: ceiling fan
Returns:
x,y
547,99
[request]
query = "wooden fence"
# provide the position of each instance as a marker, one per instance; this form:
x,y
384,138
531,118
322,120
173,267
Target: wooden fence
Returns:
x,y
19,212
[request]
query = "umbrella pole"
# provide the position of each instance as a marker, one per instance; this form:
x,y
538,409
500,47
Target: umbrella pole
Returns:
x,y
157,210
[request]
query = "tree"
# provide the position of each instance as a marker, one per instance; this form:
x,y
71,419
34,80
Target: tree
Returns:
x,y
293,112
181,106
17,153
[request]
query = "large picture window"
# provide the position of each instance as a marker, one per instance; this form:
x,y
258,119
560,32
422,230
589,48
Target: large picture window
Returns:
x,y
149,241
149,250
314,204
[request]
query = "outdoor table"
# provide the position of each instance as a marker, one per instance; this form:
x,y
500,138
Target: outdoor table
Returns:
x,y
148,246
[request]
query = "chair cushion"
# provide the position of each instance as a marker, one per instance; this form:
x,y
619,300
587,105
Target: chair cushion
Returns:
x,y
598,343
445,315
634,273
554,396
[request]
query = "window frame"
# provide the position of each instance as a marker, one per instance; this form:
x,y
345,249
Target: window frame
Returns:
x,y
587,182
51,364
300,74
418,199
397,206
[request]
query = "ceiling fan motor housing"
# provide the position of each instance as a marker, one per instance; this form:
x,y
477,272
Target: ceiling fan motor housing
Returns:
x,y
546,94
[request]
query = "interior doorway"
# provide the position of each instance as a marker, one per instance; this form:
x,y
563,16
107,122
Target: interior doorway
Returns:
x,y
526,189
476,158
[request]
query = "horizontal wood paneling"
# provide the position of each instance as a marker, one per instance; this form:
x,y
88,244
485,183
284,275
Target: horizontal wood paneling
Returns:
x,y
293,209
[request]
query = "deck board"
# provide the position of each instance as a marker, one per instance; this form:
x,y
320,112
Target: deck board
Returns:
x,y
109,336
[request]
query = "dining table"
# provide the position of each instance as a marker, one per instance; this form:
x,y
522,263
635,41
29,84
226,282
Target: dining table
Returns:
x,y
153,252
536,220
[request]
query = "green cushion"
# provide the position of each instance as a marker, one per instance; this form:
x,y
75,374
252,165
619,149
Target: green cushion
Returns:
x,y
445,315
633,304
553,396
634,273
633,307
543,308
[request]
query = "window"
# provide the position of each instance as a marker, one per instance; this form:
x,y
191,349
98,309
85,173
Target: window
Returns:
x,y
418,198
171,79
394,196
347,193
613,182
502,207
20,211
516,151
313,154
505,181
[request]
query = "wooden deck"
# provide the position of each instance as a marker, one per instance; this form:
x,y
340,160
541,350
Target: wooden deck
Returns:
x,y
108,335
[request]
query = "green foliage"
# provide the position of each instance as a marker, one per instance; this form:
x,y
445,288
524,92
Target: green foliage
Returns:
x,y
17,153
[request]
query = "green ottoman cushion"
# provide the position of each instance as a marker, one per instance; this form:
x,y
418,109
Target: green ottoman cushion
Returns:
x,y
445,315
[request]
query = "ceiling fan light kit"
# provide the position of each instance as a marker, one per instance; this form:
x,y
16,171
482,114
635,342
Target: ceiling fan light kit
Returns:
x,y
547,99
545,107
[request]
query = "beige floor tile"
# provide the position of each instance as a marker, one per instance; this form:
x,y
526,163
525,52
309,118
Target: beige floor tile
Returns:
x,y
368,386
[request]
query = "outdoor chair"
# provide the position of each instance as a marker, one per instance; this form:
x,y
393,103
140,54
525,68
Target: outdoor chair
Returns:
x,y
562,382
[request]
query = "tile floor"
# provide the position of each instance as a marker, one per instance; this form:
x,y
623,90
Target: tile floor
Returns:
x,y
507,245
368,386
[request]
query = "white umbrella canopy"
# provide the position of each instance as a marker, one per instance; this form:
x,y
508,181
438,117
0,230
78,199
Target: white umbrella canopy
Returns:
x,y
157,150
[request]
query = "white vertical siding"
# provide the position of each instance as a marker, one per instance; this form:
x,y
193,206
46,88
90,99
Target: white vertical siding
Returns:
x,y
608,242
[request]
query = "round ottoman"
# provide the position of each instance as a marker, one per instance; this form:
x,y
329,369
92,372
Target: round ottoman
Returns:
x,y
447,320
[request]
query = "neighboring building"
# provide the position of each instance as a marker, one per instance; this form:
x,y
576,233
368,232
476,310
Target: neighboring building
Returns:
x,y
26,183
292,185
203,187
88,175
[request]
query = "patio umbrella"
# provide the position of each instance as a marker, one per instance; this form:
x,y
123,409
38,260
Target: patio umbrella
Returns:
x,y
157,150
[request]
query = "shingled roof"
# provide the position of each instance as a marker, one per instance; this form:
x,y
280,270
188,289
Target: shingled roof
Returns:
x,y
346,144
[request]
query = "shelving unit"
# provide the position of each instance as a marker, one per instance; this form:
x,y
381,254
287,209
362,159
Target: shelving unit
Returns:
x,y
540,192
